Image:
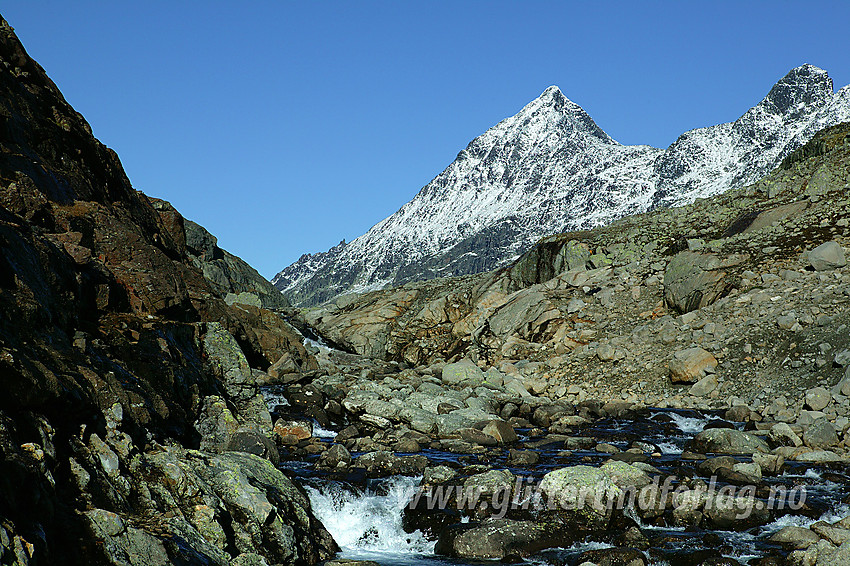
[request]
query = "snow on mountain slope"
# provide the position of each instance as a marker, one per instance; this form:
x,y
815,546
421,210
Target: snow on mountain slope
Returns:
x,y
550,168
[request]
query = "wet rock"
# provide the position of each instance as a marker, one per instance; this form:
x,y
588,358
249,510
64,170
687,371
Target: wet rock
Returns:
x,y
475,436
523,457
709,467
434,475
736,512
751,472
488,483
300,429
383,463
770,464
795,537
728,441
817,457
253,442
502,431
833,533
123,544
497,539
614,557
335,457
408,445
625,475
582,492
738,414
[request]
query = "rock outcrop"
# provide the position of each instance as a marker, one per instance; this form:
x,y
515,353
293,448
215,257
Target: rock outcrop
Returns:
x,y
119,359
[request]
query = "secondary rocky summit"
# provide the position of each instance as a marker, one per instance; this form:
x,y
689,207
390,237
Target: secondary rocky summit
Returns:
x,y
551,168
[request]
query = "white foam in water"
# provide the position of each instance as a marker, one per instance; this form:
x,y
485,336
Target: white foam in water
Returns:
x,y
318,344
669,448
688,425
831,516
812,474
788,521
836,514
274,399
320,432
368,524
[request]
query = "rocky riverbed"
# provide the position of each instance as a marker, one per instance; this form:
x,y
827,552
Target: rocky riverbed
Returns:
x,y
744,487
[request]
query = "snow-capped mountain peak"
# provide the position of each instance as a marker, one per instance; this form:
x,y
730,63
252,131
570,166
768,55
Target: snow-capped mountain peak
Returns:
x,y
551,168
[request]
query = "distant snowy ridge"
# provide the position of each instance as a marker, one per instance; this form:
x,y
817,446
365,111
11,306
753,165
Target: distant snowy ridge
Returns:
x,y
550,169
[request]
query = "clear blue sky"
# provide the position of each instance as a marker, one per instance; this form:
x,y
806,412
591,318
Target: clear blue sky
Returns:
x,y
284,127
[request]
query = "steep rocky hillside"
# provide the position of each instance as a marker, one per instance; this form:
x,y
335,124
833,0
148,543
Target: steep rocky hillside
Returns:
x,y
755,277
231,278
119,360
550,169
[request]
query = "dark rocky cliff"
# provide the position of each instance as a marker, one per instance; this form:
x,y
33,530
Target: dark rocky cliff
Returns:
x,y
117,358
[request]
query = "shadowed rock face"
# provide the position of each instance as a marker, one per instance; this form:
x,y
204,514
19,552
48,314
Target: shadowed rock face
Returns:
x,y
103,358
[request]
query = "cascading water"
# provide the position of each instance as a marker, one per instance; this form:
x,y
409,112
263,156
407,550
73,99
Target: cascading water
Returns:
x,y
368,524
367,519
688,425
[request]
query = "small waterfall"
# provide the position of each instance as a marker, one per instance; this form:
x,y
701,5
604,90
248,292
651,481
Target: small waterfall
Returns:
x,y
368,524
321,432
688,425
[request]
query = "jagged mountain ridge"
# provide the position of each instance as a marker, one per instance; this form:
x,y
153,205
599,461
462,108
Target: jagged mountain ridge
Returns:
x,y
551,168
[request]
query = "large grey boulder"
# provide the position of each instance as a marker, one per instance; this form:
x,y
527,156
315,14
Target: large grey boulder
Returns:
x,y
728,441
795,537
694,280
462,371
581,494
496,539
820,434
124,544
229,362
781,434
487,483
384,463
827,256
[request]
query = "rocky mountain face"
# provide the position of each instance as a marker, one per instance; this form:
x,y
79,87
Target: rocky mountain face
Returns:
x,y
232,279
131,427
755,276
550,169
